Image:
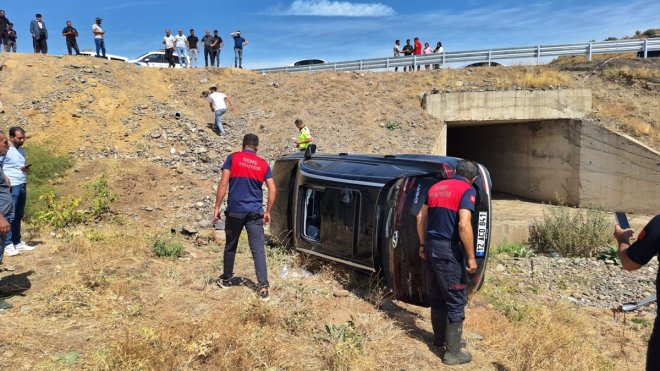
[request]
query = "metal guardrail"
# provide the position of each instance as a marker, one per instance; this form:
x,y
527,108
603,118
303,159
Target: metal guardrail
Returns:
x,y
487,56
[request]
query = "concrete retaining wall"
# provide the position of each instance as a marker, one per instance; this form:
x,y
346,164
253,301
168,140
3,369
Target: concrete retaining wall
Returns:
x,y
536,145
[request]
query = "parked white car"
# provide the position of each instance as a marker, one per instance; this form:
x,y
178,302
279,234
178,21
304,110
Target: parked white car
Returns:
x,y
110,57
155,59
307,62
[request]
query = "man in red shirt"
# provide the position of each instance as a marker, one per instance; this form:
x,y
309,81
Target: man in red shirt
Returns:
x,y
418,49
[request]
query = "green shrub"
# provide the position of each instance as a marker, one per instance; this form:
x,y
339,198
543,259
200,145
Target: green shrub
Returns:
x,y
46,166
63,212
571,232
513,249
392,125
100,197
165,246
58,212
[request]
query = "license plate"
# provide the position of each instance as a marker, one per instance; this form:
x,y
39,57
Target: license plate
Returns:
x,y
482,232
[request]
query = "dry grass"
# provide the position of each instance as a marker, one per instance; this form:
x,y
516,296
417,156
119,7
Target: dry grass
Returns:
x,y
542,79
632,125
631,73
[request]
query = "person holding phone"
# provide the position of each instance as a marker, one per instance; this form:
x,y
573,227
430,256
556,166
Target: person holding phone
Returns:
x,y
634,256
16,168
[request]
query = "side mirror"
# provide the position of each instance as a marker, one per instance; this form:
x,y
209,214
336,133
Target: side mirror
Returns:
x,y
311,149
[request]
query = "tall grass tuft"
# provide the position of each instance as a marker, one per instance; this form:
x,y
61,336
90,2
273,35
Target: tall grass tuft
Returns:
x,y
571,232
46,166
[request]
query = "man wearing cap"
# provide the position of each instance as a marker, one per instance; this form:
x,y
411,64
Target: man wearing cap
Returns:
x,y
99,37
39,35
208,41
239,43
216,48
71,33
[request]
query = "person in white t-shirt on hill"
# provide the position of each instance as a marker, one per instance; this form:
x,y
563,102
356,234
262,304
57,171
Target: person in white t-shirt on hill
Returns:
x,y
98,38
219,103
181,45
170,44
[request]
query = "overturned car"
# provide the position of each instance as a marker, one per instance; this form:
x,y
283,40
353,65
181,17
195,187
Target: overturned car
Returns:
x,y
360,210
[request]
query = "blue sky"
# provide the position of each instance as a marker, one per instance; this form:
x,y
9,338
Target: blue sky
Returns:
x,y
281,32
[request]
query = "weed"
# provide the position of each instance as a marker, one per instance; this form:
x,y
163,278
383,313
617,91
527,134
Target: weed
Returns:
x,y
610,253
166,246
63,212
392,125
347,344
571,232
46,166
515,250
100,197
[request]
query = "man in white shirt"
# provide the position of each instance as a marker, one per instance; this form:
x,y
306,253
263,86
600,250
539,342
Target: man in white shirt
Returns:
x,y
218,103
99,41
169,43
181,43
16,168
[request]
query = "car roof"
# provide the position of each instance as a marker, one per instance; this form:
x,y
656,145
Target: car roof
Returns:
x,y
372,168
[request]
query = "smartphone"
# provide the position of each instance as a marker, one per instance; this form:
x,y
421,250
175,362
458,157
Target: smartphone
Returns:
x,y
622,220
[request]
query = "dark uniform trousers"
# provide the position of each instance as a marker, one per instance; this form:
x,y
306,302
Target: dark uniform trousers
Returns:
x,y
446,278
254,225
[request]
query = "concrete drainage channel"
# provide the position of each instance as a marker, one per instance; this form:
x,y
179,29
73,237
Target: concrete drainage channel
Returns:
x,y
540,145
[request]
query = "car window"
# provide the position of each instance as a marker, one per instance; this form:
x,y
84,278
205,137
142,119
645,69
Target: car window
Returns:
x,y
331,213
155,58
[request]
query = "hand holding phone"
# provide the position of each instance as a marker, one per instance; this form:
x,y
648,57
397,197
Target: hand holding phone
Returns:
x,y
622,220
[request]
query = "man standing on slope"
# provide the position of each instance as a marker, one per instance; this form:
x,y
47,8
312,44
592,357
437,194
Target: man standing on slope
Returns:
x,y
6,208
169,43
218,103
181,44
244,174
634,257
99,37
239,43
71,33
446,243
39,35
16,168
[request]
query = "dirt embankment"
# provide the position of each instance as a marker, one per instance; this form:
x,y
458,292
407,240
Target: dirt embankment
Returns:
x,y
96,297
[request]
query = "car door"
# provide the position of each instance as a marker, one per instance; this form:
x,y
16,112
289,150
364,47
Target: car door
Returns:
x,y
403,266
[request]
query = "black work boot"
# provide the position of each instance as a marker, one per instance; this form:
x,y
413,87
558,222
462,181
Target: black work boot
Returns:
x,y
454,355
439,323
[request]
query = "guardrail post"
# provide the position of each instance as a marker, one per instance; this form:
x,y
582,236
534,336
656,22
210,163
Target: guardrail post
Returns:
x,y
590,46
335,67
646,48
538,55
443,59
414,62
360,64
489,53
387,63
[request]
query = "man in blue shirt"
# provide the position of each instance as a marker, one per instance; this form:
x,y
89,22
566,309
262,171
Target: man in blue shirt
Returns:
x,y
446,243
244,173
239,43
16,168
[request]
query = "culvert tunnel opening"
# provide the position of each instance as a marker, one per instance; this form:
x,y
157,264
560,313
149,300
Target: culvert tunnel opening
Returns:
x,y
534,160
